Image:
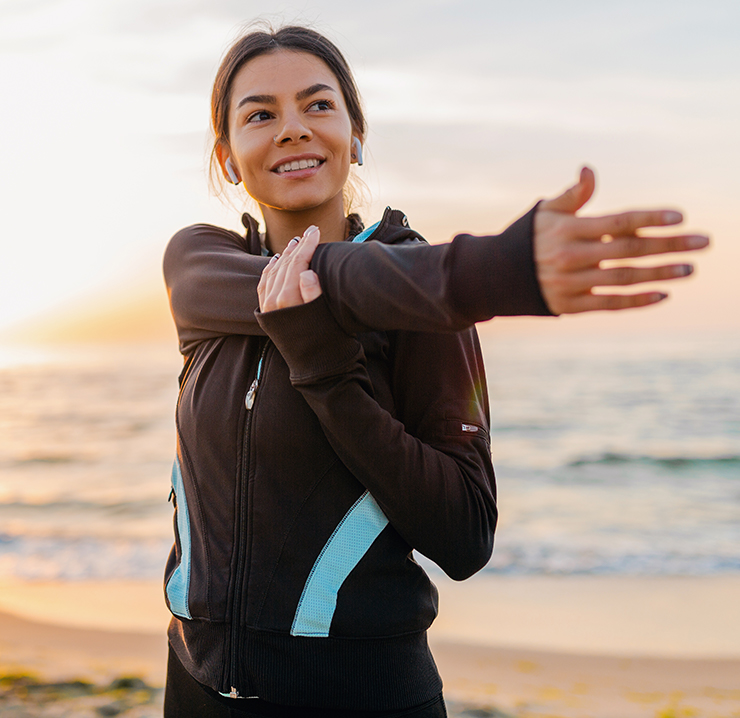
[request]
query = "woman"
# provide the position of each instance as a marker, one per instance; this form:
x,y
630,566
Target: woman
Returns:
x,y
333,412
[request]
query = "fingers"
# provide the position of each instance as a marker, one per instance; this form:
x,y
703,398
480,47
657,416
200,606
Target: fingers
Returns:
x,y
623,224
569,250
624,276
627,247
575,197
572,291
267,280
583,254
309,286
280,284
613,302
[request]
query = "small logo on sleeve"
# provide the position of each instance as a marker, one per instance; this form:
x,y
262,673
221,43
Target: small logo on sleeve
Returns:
x,y
470,428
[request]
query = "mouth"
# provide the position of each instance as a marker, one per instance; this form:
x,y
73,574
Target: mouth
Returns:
x,y
297,165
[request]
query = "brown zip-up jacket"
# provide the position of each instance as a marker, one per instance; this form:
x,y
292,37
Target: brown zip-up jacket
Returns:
x,y
318,445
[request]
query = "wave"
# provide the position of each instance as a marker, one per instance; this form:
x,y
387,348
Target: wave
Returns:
x,y
547,560
118,507
70,559
669,462
46,459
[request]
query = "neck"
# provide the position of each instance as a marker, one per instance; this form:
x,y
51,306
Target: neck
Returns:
x,y
282,225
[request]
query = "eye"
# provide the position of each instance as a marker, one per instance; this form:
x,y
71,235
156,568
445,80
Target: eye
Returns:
x,y
321,106
258,116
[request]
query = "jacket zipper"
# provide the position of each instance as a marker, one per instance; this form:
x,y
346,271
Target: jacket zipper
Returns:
x,y
242,533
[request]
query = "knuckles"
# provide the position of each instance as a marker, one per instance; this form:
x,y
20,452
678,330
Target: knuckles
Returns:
x,y
564,258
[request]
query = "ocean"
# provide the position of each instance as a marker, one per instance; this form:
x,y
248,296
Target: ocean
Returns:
x,y
613,456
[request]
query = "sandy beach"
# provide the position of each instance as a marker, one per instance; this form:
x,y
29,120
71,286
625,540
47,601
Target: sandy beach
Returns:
x,y
518,646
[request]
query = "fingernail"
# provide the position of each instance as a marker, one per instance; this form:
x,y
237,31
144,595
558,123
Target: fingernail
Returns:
x,y
308,277
293,242
659,296
684,270
273,258
672,217
313,228
697,242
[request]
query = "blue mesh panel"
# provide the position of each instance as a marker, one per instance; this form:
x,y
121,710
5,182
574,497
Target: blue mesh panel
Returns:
x,y
350,541
179,583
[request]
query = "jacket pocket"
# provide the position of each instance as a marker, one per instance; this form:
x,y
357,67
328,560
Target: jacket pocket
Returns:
x,y
177,584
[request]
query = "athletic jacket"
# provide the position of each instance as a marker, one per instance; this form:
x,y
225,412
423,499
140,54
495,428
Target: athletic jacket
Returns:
x,y
318,445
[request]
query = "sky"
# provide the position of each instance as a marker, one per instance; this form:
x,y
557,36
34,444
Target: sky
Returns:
x,y
476,108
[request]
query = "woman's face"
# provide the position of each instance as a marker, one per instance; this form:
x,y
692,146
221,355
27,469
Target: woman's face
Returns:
x,y
290,134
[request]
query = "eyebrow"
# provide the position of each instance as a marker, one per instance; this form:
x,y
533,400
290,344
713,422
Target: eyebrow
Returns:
x,y
318,87
272,100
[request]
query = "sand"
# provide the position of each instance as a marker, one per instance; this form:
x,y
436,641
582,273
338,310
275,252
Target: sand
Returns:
x,y
540,646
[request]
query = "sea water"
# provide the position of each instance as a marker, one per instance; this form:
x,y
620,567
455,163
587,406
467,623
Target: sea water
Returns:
x,y
612,456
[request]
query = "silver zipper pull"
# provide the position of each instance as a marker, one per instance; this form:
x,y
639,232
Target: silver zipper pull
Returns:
x,y
234,693
249,401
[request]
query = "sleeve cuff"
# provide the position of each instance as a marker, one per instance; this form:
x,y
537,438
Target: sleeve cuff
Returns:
x,y
308,337
509,257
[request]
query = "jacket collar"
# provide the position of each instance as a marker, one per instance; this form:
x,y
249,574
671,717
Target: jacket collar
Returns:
x,y
392,228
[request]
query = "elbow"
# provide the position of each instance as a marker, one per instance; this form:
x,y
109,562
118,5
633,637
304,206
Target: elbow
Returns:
x,y
466,566
472,554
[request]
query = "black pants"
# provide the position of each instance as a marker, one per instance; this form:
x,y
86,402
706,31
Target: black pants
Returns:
x,y
184,697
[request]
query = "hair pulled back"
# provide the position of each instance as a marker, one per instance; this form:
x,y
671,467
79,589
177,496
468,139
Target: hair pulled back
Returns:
x,y
290,37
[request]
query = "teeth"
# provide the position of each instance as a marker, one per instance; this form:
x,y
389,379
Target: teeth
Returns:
x,y
297,165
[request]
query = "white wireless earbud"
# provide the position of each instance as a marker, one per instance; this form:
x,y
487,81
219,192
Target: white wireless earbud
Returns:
x,y
231,171
357,150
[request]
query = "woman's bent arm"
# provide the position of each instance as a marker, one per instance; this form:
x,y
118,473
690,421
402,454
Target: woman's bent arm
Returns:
x,y
429,469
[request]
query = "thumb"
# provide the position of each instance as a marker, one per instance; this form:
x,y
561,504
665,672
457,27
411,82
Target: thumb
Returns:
x,y
576,196
309,286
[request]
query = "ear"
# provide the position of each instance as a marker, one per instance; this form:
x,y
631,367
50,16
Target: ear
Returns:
x,y
223,154
357,150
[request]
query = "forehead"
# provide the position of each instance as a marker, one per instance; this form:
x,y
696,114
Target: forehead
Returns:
x,y
281,72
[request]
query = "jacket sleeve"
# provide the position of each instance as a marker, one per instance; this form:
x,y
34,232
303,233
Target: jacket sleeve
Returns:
x,y
429,468
212,282
431,288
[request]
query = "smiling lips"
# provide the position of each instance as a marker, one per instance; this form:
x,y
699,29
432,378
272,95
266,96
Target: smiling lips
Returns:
x,y
302,164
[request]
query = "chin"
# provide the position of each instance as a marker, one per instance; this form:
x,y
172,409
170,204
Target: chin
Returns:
x,y
298,203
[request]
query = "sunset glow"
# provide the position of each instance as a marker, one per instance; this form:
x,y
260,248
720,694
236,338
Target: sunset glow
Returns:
x,y
476,110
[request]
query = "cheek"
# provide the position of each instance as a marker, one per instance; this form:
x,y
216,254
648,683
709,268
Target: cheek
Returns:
x,y
251,159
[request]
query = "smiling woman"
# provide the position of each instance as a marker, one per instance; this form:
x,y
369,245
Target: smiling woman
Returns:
x,y
290,140
333,412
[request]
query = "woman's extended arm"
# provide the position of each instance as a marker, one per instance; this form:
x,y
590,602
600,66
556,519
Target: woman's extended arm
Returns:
x,y
212,278
476,278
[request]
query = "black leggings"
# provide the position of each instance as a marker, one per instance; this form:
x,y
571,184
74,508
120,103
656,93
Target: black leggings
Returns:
x,y
184,697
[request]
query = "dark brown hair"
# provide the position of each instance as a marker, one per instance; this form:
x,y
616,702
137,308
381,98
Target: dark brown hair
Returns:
x,y
256,43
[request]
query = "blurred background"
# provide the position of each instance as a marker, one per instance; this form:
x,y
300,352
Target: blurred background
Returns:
x,y
616,437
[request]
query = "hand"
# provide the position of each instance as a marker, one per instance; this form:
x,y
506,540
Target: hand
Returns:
x,y
287,281
568,252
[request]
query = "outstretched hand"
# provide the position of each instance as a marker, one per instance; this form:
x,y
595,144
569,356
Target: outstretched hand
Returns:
x,y
568,252
287,281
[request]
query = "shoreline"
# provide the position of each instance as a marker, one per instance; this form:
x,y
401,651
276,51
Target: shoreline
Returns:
x,y
105,631
648,616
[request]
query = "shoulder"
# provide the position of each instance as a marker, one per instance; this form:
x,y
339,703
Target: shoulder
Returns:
x,y
200,235
199,239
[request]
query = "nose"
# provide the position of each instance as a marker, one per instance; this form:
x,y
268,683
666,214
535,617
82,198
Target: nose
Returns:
x,y
292,130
